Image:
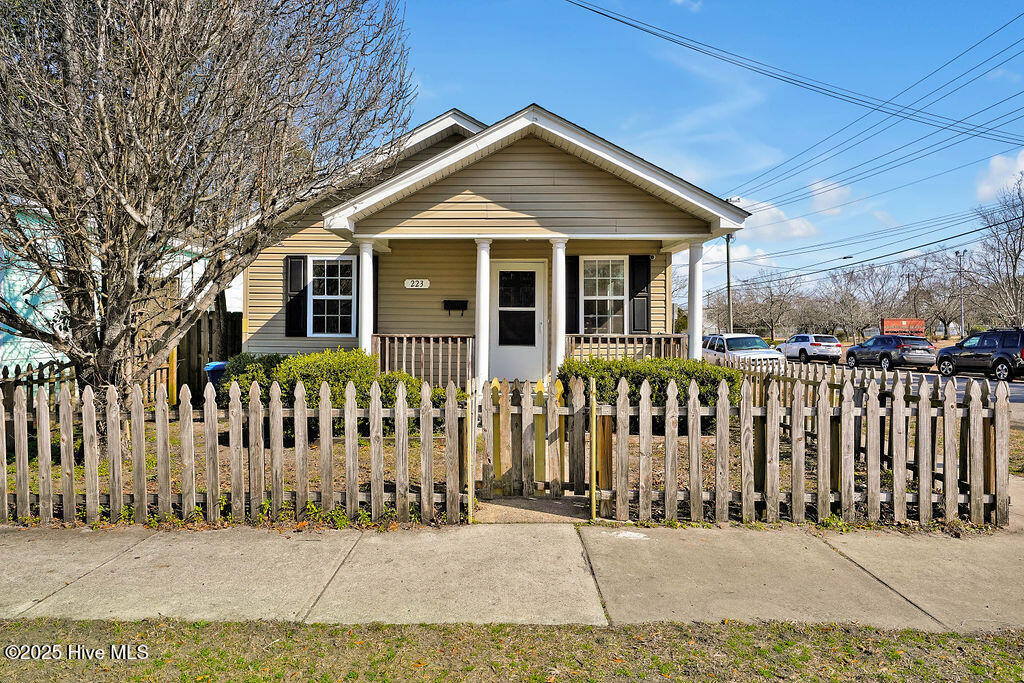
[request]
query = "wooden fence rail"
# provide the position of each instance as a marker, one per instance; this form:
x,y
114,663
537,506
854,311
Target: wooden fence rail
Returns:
x,y
797,444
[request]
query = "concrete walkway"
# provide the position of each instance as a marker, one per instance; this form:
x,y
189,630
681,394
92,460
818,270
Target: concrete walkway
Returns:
x,y
517,573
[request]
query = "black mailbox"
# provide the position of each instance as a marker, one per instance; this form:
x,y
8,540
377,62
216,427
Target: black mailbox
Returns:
x,y
456,305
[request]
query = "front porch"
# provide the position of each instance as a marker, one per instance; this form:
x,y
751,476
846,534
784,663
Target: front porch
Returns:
x,y
547,300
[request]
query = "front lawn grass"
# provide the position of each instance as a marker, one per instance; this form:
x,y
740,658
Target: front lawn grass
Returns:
x,y
732,651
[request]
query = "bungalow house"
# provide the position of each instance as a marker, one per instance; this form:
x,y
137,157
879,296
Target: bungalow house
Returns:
x,y
490,251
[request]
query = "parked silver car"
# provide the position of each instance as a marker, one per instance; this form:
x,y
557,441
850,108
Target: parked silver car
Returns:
x,y
890,351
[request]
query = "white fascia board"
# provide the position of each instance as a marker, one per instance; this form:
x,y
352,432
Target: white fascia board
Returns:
x,y
534,119
527,236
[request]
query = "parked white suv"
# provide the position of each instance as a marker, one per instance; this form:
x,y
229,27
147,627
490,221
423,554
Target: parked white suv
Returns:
x,y
735,345
808,347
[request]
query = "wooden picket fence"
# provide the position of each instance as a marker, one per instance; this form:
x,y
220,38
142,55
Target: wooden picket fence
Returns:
x,y
834,436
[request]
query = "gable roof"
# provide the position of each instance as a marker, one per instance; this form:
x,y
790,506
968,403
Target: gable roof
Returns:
x,y
721,215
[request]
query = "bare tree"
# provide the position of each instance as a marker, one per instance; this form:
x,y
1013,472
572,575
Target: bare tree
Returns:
x,y
996,272
773,299
152,148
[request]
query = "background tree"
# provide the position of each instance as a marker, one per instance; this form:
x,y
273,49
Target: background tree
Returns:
x,y
152,148
996,268
773,299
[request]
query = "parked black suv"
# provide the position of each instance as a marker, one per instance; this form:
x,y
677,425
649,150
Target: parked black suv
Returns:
x,y
890,351
996,351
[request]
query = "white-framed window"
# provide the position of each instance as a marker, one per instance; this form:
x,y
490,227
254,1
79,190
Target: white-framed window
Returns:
x,y
332,296
604,294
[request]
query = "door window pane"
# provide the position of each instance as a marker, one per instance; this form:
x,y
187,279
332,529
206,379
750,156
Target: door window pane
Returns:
x,y
517,288
517,328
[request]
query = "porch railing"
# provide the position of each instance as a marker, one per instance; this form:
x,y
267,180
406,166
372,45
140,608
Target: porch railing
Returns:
x,y
436,358
619,346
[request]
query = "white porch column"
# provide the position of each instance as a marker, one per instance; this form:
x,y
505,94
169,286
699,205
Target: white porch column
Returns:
x,y
366,296
483,310
695,311
558,312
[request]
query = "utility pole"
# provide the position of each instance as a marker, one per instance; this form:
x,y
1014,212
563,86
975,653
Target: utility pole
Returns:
x,y
960,253
728,279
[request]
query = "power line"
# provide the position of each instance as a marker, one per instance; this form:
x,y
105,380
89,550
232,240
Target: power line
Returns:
x,y
899,251
809,191
821,87
804,166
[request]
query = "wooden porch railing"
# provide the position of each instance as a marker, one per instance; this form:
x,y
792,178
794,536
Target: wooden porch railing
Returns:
x,y
618,346
436,358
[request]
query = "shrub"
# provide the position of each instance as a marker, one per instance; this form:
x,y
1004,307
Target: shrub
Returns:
x,y
658,372
337,367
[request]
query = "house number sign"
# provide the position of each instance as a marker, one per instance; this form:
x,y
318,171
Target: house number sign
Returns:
x,y
417,283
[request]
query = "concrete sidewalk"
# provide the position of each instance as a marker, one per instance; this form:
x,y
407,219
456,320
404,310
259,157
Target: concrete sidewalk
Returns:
x,y
517,573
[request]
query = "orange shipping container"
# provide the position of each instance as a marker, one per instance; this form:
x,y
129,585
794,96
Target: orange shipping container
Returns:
x,y
909,326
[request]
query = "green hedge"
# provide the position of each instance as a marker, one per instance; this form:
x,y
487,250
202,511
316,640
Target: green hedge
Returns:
x,y
337,367
658,372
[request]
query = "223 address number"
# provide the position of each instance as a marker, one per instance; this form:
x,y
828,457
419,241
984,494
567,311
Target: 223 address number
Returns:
x,y
417,283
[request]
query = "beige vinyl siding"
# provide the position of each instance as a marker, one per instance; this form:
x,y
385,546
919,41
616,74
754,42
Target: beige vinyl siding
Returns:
x,y
534,188
450,265
263,303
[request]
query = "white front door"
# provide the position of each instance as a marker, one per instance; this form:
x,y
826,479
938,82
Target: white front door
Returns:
x,y
518,334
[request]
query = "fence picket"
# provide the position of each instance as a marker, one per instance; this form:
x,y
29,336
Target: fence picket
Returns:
x,y
577,437
401,453
722,453
671,451
257,463
43,456
451,453
554,454
696,486
115,481
847,440
327,449
351,453
163,458
622,452
771,469
528,438
503,463
426,424
237,457
5,513
186,431
376,454
872,454
487,427
211,435
23,509
898,449
515,437
950,453
300,425
646,447
139,495
976,453
67,454
746,451
1001,425
923,450
276,452
798,440
90,450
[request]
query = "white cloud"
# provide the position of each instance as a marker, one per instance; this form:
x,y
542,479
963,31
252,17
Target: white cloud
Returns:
x,y
827,197
885,218
771,223
698,142
1002,171
1002,74
692,5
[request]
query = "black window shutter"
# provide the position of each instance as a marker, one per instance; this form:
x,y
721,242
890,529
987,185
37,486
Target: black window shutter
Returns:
x,y
640,294
295,296
572,294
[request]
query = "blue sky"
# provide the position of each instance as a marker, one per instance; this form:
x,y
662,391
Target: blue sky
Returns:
x,y
717,125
